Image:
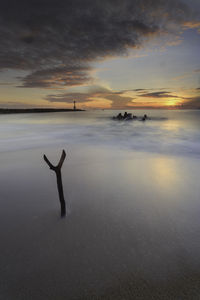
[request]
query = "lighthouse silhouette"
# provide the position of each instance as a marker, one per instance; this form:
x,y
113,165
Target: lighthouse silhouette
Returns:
x,y
74,105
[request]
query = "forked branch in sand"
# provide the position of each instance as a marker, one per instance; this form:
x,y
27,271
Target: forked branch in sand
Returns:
x,y
57,170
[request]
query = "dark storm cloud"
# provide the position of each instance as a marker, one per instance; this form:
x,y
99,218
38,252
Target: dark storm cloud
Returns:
x,y
57,76
162,94
58,39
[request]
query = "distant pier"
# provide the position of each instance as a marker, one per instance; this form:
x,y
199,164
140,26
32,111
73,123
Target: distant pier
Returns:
x,y
35,110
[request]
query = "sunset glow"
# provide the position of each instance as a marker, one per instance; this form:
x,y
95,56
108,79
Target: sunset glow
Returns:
x,y
141,55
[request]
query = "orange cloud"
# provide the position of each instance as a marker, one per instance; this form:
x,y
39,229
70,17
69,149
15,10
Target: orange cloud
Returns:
x,y
192,25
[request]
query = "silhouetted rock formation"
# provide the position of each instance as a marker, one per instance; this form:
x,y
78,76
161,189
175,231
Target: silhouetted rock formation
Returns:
x,y
129,117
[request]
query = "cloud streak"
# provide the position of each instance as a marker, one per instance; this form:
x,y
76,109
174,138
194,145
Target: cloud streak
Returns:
x,y
118,99
163,94
191,103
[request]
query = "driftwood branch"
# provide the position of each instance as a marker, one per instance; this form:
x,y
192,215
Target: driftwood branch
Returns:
x,y
62,159
57,170
52,167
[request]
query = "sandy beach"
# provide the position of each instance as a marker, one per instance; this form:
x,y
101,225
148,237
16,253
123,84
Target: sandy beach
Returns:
x,y
132,225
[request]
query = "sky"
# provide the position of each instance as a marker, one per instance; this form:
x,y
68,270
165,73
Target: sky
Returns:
x,y
104,54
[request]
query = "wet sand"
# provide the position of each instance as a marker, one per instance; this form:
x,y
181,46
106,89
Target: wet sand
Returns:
x,y
132,229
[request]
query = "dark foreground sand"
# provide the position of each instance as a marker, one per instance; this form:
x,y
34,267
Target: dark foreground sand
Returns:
x,y
186,287
132,234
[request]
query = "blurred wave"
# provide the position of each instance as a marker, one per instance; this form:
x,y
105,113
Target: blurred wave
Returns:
x,y
175,133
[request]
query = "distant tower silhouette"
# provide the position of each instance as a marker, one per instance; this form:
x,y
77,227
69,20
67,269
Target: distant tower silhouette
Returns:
x,y
74,105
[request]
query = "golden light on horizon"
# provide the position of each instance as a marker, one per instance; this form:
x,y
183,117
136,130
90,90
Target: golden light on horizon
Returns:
x,y
172,102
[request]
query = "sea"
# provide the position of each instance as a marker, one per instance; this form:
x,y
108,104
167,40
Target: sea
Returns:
x,y
170,132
